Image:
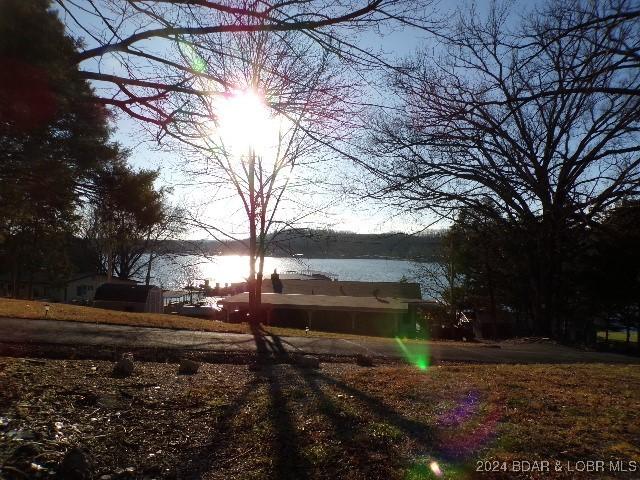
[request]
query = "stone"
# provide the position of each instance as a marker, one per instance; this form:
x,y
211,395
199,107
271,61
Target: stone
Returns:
x,y
308,361
21,457
21,435
123,368
75,465
364,360
188,367
27,450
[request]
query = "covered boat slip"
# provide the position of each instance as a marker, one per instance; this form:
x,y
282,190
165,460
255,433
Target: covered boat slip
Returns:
x,y
365,315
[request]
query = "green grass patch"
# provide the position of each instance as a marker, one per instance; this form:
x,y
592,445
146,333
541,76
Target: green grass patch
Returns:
x,y
618,336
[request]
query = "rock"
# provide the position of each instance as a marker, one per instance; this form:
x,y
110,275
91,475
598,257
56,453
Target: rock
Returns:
x,y
121,474
364,360
128,472
105,477
188,367
123,368
87,398
21,435
21,457
308,361
27,450
75,465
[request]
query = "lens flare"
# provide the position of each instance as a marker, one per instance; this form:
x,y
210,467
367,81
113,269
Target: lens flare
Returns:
x,y
435,468
245,121
196,62
415,354
468,427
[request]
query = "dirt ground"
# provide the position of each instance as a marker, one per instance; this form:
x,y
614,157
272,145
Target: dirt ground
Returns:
x,y
341,421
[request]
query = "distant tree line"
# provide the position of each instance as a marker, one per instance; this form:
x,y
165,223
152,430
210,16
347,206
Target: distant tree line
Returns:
x,y
316,243
69,201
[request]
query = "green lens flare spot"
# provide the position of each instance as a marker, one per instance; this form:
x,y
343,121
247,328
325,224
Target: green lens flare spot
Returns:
x,y
416,354
196,62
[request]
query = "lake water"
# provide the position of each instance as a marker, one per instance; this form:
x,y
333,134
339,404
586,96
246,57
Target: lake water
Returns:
x,y
175,272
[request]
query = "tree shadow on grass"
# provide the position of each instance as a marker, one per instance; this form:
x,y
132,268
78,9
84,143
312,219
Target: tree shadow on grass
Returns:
x,y
279,443
194,463
268,346
288,462
367,443
371,442
355,436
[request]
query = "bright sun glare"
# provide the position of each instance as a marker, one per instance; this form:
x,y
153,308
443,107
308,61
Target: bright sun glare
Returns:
x,y
244,122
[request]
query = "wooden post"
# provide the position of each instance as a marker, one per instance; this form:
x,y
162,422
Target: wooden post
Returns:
x,y
309,318
353,321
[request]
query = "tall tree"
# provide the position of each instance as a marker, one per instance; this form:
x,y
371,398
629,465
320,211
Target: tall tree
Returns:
x,y
606,273
537,127
54,137
278,88
127,220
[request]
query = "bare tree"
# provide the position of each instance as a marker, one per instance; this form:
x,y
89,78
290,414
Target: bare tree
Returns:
x,y
165,62
279,88
537,127
131,48
609,27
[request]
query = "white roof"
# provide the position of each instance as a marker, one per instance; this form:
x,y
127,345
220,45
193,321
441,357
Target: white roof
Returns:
x,y
319,302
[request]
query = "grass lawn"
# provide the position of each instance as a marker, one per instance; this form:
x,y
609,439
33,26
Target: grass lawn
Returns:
x,y
343,421
30,309
619,336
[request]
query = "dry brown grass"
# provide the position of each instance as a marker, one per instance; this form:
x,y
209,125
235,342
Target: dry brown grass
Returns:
x,y
31,309
343,421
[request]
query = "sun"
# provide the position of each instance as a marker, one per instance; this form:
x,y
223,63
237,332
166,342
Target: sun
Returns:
x,y
245,122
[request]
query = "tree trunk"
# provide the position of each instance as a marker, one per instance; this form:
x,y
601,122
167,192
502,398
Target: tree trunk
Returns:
x,y
15,278
30,286
147,279
254,304
544,279
492,299
260,272
109,265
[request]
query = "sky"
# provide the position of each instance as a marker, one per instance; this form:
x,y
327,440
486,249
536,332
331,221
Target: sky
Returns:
x,y
326,206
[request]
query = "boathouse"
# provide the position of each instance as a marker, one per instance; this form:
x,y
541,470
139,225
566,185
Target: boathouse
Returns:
x,y
365,315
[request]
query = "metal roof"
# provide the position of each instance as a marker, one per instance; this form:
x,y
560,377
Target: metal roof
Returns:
x,y
320,302
399,290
